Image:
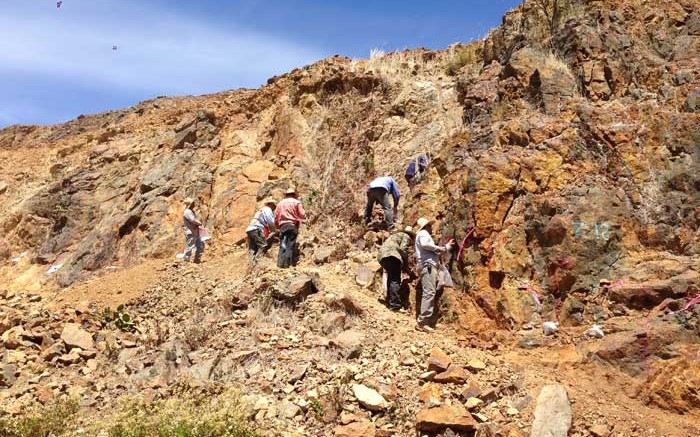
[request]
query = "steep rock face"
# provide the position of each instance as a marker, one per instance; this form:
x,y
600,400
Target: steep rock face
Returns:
x,y
106,189
579,159
568,139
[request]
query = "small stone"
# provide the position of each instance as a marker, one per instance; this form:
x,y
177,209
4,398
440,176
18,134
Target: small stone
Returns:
x,y
357,429
600,430
490,395
332,322
369,398
8,375
472,403
15,357
297,373
438,361
128,343
12,338
481,417
323,254
454,374
82,307
53,351
428,376
89,354
350,342
346,418
476,365
364,275
473,390
70,358
437,419
511,411
430,394
288,410
408,361
44,394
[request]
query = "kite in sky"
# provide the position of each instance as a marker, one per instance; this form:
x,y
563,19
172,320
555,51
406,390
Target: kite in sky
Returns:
x,y
58,5
114,47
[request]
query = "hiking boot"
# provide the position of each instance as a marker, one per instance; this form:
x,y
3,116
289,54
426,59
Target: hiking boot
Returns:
x,y
424,328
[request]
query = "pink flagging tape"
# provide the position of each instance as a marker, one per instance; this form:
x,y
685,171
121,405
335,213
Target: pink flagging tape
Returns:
x,y
615,284
464,240
646,352
687,306
535,297
648,328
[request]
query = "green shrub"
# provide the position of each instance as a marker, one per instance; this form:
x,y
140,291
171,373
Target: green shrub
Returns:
x,y
118,318
368,163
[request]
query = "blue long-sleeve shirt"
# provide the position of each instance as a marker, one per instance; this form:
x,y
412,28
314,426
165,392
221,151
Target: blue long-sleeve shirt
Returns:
x,y
390,185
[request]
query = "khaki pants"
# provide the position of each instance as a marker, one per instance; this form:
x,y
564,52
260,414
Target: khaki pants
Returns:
x,y
428,282
193,242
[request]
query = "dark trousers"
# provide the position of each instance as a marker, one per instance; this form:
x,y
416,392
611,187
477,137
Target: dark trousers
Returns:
x,y
257,245
288,241
393,270
381,196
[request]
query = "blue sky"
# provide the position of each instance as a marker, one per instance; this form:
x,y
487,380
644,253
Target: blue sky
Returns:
x,y
56,64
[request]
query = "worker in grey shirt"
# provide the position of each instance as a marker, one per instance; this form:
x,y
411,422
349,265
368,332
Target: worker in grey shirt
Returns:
x,y
191,226
262,224
427,260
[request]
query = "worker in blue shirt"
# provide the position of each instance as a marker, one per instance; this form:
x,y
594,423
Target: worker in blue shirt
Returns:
x,y
378,192
416,169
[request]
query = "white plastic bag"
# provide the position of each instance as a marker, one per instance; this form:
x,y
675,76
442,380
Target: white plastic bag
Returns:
x,y
550,328
596,331
444,279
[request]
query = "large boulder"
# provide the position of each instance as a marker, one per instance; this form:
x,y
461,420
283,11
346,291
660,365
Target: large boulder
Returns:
x,y
74,336
297,289
553,413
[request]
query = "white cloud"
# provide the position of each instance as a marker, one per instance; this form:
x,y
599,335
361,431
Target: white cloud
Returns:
x,y
159,52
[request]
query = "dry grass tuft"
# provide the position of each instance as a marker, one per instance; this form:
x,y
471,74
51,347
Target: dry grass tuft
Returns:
x,y
204,415
556,63
393,66
55,420
462,56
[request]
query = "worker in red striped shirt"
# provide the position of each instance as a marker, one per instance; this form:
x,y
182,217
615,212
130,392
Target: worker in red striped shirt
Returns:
x,y
289,215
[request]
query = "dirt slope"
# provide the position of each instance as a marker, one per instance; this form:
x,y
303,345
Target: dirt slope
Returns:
x,y
568,139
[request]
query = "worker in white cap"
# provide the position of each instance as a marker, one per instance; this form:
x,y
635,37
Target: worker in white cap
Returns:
x,y
427,260
192,226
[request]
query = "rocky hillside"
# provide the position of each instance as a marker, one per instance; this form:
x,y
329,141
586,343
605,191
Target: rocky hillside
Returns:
x,y
568,140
